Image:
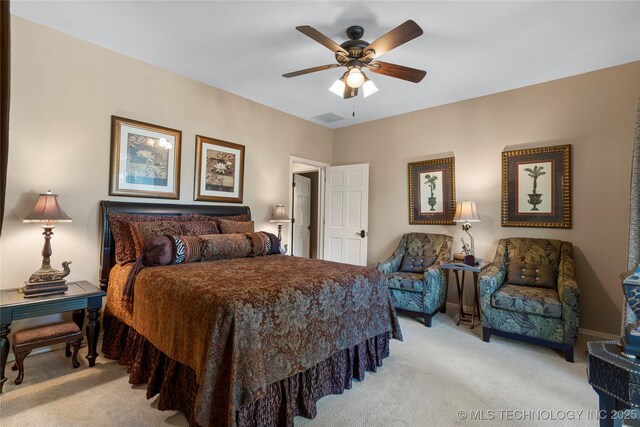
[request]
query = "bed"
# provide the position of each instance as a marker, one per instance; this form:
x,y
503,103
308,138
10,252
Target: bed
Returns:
x,y
251,341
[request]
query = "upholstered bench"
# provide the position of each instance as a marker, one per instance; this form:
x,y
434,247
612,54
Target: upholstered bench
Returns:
x,y
40,336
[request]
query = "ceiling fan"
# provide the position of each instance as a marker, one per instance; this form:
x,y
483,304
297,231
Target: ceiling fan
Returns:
x,y
357,54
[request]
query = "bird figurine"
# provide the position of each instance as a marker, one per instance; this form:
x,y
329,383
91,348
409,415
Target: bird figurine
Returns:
x,y
50,274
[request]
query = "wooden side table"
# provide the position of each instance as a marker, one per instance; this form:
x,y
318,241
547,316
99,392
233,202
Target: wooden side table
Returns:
x,y
459,269
616,379
80,296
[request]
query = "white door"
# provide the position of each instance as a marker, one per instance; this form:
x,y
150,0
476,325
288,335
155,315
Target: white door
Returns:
x,y
301,215
346,214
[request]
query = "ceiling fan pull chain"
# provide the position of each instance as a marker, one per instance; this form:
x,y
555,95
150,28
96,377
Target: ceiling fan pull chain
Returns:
x,y
353,114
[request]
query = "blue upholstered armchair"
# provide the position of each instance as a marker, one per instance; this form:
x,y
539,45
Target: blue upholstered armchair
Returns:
x,y
416,283
530,293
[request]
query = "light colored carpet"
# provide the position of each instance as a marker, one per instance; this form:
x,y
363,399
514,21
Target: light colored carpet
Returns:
x,y
427,380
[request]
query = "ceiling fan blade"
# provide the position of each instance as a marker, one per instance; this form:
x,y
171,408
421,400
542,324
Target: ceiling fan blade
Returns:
x,y
394,38
398,71
321,38
349,92
310,70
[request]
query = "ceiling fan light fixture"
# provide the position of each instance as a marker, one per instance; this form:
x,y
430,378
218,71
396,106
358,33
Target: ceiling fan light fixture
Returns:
x,y
338,87
368,88
355,78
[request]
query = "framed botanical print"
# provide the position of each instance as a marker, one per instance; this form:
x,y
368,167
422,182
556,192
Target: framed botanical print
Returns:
x,y
536,187
145,160
432,194
219,170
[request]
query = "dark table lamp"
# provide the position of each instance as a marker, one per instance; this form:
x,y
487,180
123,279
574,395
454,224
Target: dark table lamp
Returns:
x,y
466,213
280,215
48,210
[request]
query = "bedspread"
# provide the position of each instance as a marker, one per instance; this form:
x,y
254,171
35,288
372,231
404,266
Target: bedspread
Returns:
x,y
242,324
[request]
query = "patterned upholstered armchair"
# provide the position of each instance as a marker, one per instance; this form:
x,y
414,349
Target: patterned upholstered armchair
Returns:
x,y
416,283
530,293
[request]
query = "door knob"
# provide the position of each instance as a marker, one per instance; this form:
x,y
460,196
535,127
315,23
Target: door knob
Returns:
x,y
362,234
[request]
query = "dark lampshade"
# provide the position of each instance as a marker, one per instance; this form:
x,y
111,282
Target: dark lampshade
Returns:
x,y
47,210
280,214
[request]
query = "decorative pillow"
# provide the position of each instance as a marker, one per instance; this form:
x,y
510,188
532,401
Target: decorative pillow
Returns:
x,y
416,263
197,228
119,224
222,246
193,248
237,218
231,227
169,249
158,250
263,243
124,242
542,276
142,231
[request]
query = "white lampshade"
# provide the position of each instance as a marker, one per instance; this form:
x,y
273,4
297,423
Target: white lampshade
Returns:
x,y
368,88
355,78
279,214
466,212
338,87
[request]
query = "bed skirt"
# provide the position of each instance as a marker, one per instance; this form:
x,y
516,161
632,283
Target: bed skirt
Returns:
x,y
294,396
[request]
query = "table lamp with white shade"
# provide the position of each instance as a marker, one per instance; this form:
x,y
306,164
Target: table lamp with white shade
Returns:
x,y
279,216
466,213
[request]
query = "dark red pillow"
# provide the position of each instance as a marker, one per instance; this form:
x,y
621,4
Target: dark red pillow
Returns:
x,y
158,250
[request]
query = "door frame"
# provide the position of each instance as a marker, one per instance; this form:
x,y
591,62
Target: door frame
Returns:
x,y
313,167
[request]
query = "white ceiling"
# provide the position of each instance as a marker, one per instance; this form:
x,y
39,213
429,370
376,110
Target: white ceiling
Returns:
x,y
468,49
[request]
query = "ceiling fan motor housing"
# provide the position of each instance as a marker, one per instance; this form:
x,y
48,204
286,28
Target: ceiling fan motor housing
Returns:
x,y
354,45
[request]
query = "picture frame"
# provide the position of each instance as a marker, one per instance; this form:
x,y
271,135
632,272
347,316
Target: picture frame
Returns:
x,y
536,187
219,170
145,160
432,191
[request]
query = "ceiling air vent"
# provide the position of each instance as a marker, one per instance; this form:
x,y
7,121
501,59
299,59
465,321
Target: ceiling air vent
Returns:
x,y
328,117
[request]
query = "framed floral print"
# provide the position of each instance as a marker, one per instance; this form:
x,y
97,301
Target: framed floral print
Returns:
x,y
536,187
432,194
145,160
219,170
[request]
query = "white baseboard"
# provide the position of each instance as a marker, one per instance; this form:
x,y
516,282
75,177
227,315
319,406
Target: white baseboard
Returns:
x,y
598,334
454,307
581,331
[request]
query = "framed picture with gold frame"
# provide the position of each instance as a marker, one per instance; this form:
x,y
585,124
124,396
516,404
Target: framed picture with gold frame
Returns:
x,y
432,191
536,187
219,170
145,160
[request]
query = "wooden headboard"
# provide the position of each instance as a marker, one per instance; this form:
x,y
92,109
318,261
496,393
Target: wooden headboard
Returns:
x,y
107,245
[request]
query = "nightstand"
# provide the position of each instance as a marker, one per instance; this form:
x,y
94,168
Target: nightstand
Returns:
x,y
81,295
458,267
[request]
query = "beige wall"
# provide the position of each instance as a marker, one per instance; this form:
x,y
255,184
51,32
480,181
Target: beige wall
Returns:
x,y
64,91
595,112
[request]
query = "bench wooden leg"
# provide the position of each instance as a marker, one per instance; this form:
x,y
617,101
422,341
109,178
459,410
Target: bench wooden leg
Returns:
x,y
67,349
76,347
20,362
